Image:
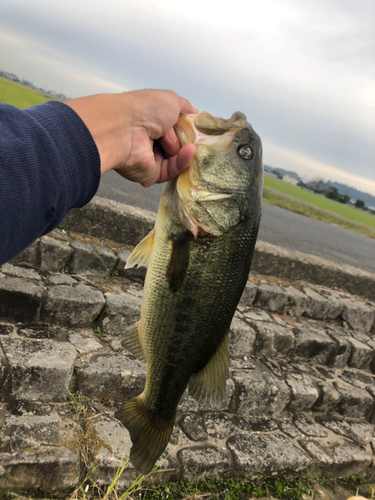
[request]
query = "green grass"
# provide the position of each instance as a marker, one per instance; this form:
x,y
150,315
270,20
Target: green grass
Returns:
x,y
20,96
279,200
321,201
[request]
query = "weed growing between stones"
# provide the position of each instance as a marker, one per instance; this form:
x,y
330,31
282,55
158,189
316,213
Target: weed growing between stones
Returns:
x,y
287,487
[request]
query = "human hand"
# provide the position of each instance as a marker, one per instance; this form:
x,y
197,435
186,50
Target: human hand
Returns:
x,y
134,133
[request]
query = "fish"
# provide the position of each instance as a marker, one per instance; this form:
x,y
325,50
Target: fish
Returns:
x,y
198,256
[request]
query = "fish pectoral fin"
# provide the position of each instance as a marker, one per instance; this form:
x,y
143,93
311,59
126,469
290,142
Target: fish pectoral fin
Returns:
x,y
141,254
149,435
178,263
208,385
132,341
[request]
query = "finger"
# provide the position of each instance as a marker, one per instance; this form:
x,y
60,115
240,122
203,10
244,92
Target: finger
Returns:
x,y
186,106
172,167
170,143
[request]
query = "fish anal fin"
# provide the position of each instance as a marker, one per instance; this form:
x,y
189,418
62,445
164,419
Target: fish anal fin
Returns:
x,y
141,254
132,341
149,435
208,385
178,263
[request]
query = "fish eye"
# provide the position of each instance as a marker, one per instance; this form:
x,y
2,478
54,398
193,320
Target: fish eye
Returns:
x,y
246,152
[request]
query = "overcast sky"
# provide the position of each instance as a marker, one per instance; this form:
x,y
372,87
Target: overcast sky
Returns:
x,y
302,72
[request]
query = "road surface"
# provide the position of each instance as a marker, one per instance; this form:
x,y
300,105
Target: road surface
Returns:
x,y
279,227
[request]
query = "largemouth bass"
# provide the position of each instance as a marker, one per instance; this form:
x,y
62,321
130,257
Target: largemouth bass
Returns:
x,y
198,256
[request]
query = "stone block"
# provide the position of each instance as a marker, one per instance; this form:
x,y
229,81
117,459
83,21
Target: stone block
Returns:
x,y
54,254
338,458
357,378
120,313
318,306
273,339
50,468
202,462
259,392
271,297
28,257
361,354
304,392
20,272
20,300
335,304
256,316
358,315
134,273
39,452
329,398
74,306
116,378
84,343
355,402
340,356
248,296
286,425
110,448
89,258
314,345
241,340
270,454
31,432
297,302
357,431
218,426
38,370
61,279
308,426
193,427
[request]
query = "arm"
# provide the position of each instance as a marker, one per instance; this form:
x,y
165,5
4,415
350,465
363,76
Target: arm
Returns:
x,y
52,156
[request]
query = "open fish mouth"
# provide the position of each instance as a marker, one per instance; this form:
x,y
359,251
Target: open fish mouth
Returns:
x,y
203,128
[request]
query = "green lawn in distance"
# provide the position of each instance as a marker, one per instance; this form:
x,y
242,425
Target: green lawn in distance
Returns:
x,y
320,201
21,96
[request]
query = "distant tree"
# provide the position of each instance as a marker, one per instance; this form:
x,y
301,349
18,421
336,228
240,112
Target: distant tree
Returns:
x,y
360,204
344,198
318,185
332,193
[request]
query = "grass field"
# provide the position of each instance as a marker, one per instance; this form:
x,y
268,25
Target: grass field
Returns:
x,y
321,202
20,96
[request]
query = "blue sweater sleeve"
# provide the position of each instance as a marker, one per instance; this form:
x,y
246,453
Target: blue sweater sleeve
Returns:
x,y
49,163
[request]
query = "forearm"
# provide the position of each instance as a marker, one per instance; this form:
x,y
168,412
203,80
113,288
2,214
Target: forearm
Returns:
x,y
49,163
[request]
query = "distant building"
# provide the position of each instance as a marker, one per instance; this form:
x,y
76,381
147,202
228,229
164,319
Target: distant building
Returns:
x,y
290,180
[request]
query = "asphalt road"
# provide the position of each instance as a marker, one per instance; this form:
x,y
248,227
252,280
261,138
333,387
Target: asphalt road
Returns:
x,y
279,227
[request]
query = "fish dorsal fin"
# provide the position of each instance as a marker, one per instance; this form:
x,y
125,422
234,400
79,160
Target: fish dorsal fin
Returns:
x,y
132,341
208,385
141,254
178,263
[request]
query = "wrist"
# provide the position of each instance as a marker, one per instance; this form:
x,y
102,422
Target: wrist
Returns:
x,y
108,118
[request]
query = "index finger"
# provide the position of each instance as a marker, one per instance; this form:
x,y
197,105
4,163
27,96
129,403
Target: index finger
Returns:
x,y
186,107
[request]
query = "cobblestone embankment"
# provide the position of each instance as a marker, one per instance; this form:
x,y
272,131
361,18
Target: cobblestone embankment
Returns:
x,y
301,395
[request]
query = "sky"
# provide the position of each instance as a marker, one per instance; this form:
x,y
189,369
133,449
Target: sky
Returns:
x,y
302,72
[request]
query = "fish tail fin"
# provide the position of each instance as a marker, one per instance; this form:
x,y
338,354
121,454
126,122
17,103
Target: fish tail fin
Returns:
x,y
149,435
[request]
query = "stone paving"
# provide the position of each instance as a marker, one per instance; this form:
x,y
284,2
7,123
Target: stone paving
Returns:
x,y
301,395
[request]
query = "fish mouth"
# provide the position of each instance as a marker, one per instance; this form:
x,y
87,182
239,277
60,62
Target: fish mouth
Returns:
x,y
203,128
